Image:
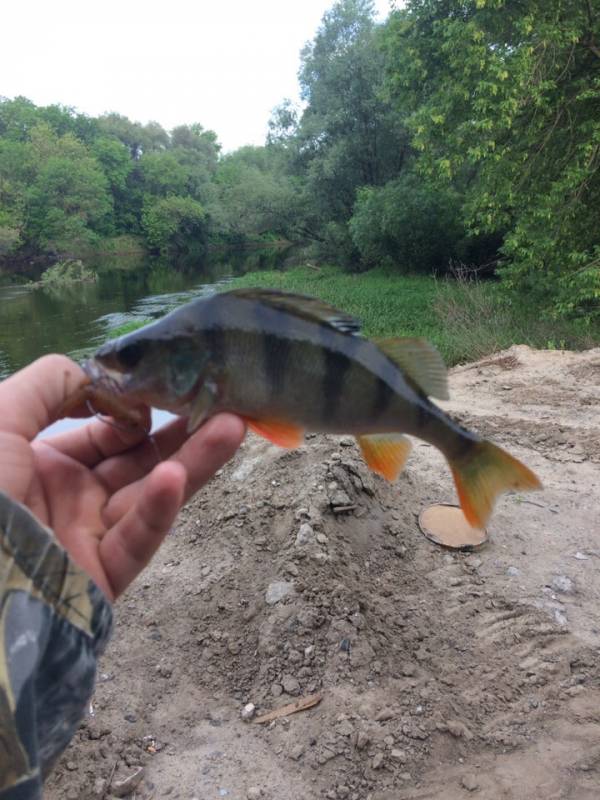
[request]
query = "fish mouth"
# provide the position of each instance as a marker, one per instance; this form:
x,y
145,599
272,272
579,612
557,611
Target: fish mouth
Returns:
x,y
102,377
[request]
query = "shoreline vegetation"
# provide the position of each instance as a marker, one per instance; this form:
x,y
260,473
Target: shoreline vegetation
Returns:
x,y
466,318
459,132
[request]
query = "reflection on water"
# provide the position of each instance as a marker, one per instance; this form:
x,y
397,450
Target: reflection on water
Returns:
x,y
76,319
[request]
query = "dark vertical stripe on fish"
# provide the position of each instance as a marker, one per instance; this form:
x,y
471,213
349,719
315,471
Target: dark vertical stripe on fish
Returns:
x,y
276,353
275,346
337,365
215,343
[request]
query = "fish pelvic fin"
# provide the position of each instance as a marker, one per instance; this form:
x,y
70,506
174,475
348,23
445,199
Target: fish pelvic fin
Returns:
x,y
385,453
284,434
484,473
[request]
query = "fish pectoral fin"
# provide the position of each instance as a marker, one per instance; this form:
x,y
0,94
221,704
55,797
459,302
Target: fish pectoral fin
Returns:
x,y
421,361
202,405
284,434
385,453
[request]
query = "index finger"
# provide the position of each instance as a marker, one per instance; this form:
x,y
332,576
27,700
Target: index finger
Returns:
x,y
31,398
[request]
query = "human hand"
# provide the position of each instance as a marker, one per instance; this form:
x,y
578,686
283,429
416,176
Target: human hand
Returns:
x,y
99,487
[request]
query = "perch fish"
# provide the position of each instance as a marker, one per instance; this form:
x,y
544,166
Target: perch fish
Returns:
x,y
288,364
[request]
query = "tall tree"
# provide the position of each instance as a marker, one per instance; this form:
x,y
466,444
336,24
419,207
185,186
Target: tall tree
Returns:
x,y
505,96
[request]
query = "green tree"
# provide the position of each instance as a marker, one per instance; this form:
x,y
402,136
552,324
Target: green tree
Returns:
x,y
504,97
175,225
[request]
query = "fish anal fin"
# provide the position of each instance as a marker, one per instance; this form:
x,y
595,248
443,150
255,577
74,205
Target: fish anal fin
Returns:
x,y
385,453
421,361
284,434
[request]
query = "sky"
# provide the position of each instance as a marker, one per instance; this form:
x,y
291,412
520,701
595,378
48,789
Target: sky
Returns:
x,y
225,63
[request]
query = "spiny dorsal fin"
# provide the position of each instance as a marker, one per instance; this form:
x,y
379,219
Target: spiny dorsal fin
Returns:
x,y
421,361
302,305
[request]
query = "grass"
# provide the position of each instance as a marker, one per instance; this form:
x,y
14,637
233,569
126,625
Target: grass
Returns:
x,y
465,319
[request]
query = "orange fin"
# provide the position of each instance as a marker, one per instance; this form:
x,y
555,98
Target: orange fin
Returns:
x,y
385,453
284,434
485,472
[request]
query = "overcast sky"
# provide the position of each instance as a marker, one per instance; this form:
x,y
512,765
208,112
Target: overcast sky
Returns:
x,y
223,63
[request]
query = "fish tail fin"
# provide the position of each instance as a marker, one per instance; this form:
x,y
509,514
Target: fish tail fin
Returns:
x,y
482,474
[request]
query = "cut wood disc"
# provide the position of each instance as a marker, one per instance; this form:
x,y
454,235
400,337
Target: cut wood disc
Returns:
x,y
446,525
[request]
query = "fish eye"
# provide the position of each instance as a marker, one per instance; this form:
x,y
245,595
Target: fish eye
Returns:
x,y
130,355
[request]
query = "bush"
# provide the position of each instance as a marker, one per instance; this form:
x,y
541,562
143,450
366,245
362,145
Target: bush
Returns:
x,y
407,224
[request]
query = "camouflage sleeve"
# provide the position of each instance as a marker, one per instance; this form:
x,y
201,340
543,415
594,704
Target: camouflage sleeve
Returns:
x,y
54,623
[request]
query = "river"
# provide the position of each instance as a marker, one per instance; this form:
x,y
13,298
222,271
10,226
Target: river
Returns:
x,y
76,319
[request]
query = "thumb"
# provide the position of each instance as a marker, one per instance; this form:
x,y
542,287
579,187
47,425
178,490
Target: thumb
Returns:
x,y
30,400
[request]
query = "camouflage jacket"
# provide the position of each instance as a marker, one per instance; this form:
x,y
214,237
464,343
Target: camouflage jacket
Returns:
x,y
54,623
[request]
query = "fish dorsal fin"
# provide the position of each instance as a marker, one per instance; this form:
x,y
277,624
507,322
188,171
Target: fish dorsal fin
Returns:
x,y
301,305
421,361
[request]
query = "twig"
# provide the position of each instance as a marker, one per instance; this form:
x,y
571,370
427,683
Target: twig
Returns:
x,y
291,708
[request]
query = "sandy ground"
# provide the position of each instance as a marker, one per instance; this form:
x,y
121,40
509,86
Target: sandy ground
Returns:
x,y
443,675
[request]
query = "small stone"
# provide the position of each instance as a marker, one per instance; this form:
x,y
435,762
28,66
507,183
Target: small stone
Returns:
x,y
248,711
340,498
129,785
384,715
277,590
276,689
343,791
100,787
469,782
297,752
362,740
513,572
71,766
389,741
290,685
254,793
305,535
563,584
292,569
346,441
321,538
377,762
408,670
398,755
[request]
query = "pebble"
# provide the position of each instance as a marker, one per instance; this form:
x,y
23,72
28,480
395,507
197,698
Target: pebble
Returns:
x,y
399,755
513,572
346,441
340,498
129,785
248,711
408,670
71,766
362,740
297,752
290,685
564,584
469,782
254,793
277,590
276,689
384,715
377,762
305,535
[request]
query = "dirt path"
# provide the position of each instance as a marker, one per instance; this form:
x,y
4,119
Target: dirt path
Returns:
x,y
443,675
